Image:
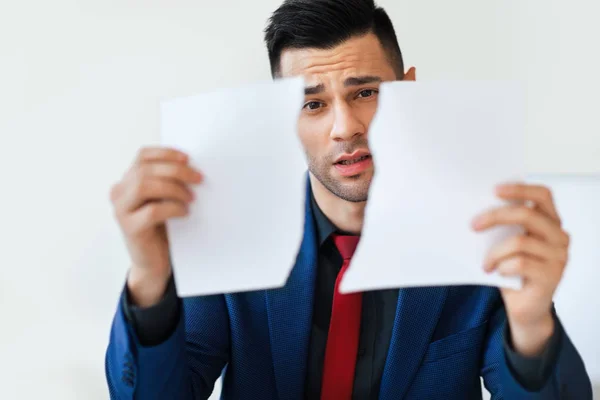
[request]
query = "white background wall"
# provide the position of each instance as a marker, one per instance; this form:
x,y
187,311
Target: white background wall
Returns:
x,y
80,83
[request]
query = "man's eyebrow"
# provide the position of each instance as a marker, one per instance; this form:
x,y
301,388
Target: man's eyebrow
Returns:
x,y
310,90
352,81
361,80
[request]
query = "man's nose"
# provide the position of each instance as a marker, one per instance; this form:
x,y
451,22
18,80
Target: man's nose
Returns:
x,y
346,125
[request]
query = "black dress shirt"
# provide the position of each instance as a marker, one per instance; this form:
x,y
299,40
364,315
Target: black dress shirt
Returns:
x,y
377,321
154,325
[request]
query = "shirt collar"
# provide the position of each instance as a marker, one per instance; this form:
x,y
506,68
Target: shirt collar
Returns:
x,y
324,226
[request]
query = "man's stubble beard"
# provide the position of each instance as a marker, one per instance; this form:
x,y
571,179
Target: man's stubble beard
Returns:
x,y
356,192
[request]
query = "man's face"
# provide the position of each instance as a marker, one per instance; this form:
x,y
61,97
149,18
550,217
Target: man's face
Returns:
x,y
342,87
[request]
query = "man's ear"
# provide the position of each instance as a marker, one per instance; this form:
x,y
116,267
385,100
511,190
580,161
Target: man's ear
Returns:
x,y
410,75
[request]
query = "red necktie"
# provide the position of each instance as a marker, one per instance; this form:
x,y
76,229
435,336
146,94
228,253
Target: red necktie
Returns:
x,y
344,329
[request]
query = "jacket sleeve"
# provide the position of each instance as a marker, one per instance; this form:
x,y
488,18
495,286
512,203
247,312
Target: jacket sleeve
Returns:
x,y
184,366
567,379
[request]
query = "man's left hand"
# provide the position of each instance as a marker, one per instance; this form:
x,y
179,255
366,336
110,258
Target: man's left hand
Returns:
x,y
539,257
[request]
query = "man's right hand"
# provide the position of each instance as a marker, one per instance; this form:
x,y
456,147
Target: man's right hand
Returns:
x,y
153,190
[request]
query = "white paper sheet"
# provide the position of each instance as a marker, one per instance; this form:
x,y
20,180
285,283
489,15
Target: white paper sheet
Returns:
x,y
245,227
439,150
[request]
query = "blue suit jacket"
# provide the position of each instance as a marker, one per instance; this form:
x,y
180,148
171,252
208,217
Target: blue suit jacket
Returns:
x,y
443,340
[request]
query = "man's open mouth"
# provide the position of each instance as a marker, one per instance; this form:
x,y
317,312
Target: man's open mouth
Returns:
x,y
354,161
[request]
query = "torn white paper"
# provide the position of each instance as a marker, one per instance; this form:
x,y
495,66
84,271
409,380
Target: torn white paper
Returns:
x,y
245,226
439,149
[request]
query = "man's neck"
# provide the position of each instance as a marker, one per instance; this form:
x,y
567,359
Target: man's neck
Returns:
x,y
345,215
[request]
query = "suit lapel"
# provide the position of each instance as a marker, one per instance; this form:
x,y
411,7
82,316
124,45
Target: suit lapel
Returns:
x,y
417,314
290,315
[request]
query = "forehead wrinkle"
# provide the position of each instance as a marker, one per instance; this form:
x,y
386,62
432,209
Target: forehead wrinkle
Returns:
x,y
359,57
319,69
347,68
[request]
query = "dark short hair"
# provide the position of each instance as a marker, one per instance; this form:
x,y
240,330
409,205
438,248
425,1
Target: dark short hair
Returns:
x,y
324,24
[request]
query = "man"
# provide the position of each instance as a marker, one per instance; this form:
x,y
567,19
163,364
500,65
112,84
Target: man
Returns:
x,y
307,340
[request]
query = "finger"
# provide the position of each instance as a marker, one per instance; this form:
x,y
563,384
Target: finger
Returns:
x,y
153,189
153,214
181,173
533,221
522,266
540,195
165,154
517,246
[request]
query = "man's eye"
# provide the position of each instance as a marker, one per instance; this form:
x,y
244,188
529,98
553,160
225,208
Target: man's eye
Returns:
x,y
367,93
313,105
